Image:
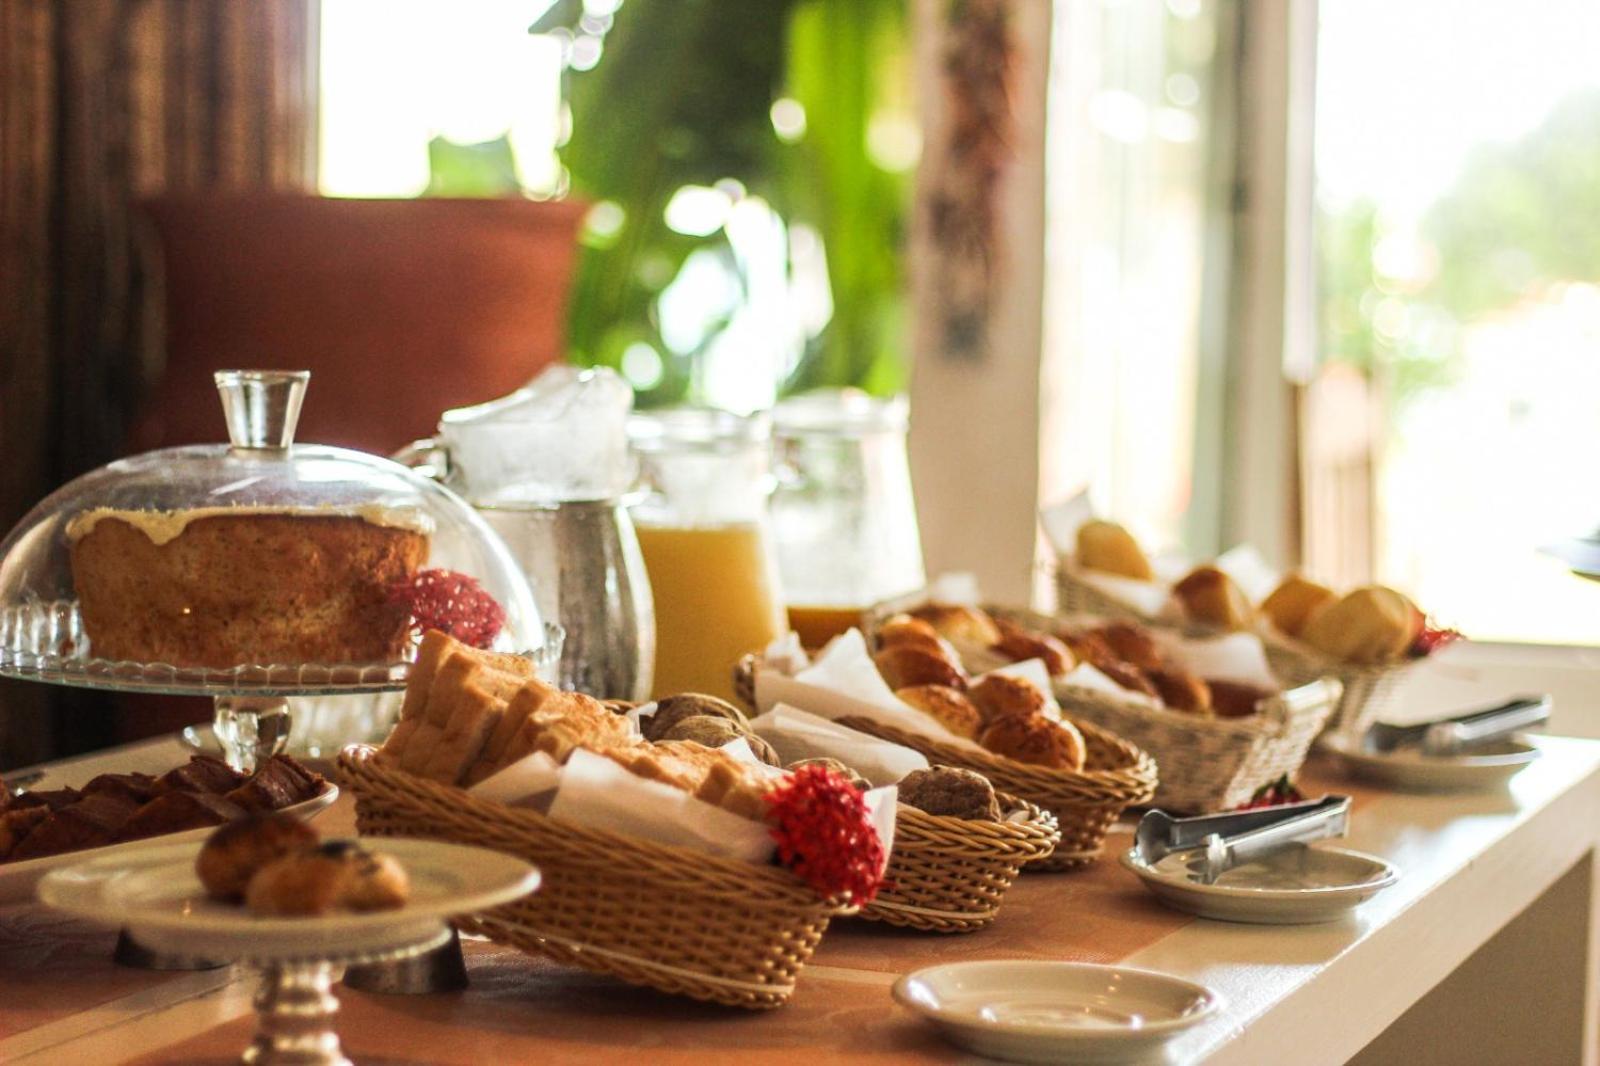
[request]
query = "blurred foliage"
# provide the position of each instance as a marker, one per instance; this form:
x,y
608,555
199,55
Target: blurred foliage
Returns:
x,y
487,169
682,95
1520,217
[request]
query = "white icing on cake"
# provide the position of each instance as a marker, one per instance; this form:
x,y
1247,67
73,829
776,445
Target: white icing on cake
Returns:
x,y
163,526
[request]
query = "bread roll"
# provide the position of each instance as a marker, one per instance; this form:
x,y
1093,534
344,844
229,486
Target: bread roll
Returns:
x,y
1182,691
950,707
1212,597
951,792
1018,644
1132,643
1293,601
964,625
1235,699
1004,696
902,628
1107,546
1037,741
1370,625
903,666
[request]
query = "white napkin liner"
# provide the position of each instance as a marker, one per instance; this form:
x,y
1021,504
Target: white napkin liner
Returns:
x,y
795,734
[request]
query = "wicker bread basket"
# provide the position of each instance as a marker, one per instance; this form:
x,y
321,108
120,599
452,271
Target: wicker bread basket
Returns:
x,y
1116,775
668,918
948,875
1368,691
1075,595
1213,764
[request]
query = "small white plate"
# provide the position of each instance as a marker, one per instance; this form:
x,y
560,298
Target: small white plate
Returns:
x,y
17,879
154,893
1485,767
1056,1011
1298,885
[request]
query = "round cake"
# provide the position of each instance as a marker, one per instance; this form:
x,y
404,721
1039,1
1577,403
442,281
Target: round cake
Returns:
x,y
220,587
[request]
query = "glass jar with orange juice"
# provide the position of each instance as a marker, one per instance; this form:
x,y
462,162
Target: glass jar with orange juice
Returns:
x,y
703,529
843,513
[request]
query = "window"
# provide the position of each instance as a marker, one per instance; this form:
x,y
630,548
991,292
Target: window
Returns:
x,y
463,78
1458,399
1134,89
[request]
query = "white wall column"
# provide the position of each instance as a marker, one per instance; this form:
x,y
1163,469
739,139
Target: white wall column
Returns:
x,y
975,422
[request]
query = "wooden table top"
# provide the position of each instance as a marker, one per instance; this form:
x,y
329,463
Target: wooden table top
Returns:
x,y
65,1000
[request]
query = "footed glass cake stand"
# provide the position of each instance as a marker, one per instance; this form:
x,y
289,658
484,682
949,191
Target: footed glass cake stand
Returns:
x,y
43,633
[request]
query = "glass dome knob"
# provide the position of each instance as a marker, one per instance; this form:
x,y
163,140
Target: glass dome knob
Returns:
x,y
262,406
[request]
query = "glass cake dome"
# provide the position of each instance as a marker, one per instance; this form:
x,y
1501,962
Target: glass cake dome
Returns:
x,y
123,611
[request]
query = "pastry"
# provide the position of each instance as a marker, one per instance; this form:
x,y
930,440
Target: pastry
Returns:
x,y
1293,601
1211,597
221,586
116,807
1037,741
15,825
278,784
948,706
1107,546
904,629
338,874
202,773
176,812
1235,699
963,625
903,666
91,822
1373,624
1181,690
719,732
950,792
837,767
1018,644
673,709
231,856
1000,696
1131,643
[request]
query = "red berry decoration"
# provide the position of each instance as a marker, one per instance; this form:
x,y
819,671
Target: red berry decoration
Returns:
x,y
1431,638
452,603
1273,794
825,836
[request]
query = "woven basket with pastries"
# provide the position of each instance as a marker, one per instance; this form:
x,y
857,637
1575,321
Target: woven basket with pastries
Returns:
x,y
668,917
948,874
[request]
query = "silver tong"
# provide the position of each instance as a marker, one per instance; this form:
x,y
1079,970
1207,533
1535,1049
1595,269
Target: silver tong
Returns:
x,y
1451,736
1224,841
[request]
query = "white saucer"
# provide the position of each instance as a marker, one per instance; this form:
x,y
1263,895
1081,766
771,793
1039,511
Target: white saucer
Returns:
x,y
1485,767
1295,886
1056,1011
17,879
154,893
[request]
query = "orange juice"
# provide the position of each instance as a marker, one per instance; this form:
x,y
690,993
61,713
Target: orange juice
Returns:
x,y
818,625
716,596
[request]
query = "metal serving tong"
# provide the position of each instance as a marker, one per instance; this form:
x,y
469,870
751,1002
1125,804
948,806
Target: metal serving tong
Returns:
x,y
1451,736
1224,841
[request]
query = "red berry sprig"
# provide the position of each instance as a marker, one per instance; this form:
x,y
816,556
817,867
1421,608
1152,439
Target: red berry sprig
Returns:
x,y
452,603
825,836
1273,794
1431,638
